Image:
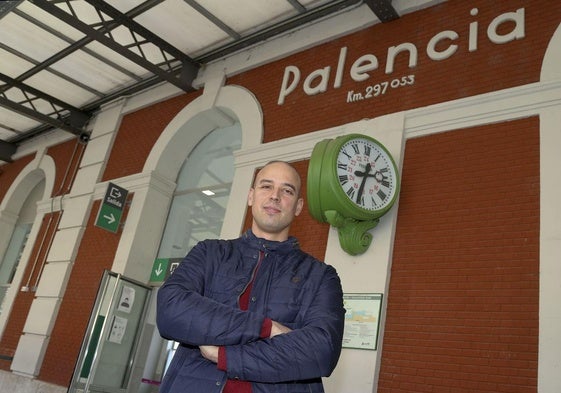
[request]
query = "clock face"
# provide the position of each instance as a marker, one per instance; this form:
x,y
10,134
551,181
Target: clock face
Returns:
x,y
366,174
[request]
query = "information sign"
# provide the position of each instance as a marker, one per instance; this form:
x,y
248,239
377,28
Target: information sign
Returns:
x,y
111,209
162,268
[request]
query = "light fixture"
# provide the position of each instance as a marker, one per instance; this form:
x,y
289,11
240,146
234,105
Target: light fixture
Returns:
x,y
208,192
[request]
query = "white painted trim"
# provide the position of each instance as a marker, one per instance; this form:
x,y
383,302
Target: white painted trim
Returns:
x,y
42,167
498,106
171,148
549,361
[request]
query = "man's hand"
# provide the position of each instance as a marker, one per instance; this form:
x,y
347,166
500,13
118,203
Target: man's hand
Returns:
x,y
278,328
209,352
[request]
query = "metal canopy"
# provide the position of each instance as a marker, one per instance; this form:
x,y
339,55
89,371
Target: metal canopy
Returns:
x,y
63,59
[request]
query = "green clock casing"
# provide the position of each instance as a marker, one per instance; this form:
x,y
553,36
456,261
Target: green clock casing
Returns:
x,y
352,182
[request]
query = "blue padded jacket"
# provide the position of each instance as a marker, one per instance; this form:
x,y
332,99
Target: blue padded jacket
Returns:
x,y
198,305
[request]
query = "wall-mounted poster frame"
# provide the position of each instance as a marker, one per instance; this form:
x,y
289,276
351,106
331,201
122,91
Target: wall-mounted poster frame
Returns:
x,y
362,320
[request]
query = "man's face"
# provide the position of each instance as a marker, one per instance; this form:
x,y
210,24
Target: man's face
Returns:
x,y
275,201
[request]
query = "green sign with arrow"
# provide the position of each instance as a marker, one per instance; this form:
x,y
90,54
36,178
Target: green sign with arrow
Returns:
x,y
159,270
111,209
162,268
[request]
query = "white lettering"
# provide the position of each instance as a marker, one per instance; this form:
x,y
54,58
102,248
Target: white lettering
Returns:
x,y
472,47
393,51
444,54
318,80
340,67
114,202
287,88
361,66
321,87
516,34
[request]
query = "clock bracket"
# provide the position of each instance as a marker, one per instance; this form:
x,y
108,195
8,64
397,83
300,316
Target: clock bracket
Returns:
x,y
354,235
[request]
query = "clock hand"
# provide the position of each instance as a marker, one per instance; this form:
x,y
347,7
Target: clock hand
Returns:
x,y
362,174
365,176
377,175
366,171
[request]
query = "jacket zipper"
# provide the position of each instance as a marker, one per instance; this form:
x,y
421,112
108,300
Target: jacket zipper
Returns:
x,y
262,256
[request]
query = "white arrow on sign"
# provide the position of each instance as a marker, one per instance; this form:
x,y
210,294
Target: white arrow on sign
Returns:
x,y
115,193
110,218
159,270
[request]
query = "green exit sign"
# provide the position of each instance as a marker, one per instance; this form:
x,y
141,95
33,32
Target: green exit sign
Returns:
x,y
111,209
162,268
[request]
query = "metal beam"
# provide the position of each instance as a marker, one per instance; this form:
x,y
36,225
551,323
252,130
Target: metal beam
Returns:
x,y
78,45
7,150
100,34
211,17
92,107
137,28
81,44
383,9
279,28
27,107
33,114
292,23
8,6
51,70
297,6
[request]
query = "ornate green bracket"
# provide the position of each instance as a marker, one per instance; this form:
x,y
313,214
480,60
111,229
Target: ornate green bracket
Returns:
x,y
353,234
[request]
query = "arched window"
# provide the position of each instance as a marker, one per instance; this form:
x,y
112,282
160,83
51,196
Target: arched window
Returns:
x,y
202,192
10,261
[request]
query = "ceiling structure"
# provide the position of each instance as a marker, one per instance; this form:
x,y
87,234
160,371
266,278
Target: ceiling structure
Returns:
x,y
63,59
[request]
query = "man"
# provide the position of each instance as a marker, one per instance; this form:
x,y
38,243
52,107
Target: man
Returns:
x,y
255,314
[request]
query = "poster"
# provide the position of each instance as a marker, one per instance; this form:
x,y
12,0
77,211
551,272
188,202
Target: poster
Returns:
x,y
118,329
362,320
127,299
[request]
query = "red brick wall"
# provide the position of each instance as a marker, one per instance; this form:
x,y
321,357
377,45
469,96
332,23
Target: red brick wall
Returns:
x,y
9,171
491,67
67,156
463,301
138,133
97,251
23,300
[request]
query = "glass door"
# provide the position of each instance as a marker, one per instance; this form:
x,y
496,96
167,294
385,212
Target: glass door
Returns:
x,y
111,341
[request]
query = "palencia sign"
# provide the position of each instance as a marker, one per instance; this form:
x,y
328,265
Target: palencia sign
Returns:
x,y
318,81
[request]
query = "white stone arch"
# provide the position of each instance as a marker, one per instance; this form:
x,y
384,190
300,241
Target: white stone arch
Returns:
x,y
27,179
197,119
41,168
549,362
219,106
551,69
